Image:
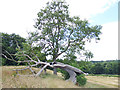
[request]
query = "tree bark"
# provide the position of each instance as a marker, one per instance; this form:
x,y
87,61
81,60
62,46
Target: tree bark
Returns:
x,y
55,70
72,75
41,70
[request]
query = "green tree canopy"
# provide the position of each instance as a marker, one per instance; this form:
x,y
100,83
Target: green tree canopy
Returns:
x,y
57,32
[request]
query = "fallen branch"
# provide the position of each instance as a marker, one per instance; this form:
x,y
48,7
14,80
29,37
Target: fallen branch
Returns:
x,y
73,71
41,70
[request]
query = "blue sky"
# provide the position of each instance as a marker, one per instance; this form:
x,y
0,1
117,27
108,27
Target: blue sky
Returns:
x,y
110,15
18,16
107,48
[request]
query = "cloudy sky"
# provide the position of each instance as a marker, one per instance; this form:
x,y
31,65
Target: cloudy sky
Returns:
x,y
18,16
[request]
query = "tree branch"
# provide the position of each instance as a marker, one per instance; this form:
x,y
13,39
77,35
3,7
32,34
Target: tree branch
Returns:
x,y
30,58
36,57
9,58
41,70
67,45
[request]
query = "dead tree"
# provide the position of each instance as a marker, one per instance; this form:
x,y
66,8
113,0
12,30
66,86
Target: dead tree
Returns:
x,y
70,69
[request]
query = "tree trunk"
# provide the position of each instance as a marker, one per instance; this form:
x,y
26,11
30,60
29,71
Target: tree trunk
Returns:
x,y
55,70
45,71
72,75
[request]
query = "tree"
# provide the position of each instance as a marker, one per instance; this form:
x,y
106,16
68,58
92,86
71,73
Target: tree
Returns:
x,y
9,44
97,69
57,32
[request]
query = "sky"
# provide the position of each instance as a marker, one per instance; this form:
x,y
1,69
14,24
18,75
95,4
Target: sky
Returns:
x,y
18,16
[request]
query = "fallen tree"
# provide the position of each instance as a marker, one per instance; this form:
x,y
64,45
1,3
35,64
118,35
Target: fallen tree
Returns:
x,y
70,69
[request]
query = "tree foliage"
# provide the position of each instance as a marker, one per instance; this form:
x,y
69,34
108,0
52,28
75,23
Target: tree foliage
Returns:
x,y
30,51
9,44
57,32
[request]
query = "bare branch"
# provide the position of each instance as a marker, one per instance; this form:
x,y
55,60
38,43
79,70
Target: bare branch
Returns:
x,y
32,71
20,69
18,55
9,54
24,61
67,45
26,75
41,70
30,58
33,65
36,57
17,44
9,58
65,49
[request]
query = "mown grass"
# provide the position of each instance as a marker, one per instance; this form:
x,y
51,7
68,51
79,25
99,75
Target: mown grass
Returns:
x,y
103,81
11,80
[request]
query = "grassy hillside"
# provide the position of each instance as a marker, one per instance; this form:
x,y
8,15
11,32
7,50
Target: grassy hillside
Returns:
x,y
11,80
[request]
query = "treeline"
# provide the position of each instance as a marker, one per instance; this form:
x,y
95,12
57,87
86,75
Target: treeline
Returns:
x,y
97,67
10,42
106,67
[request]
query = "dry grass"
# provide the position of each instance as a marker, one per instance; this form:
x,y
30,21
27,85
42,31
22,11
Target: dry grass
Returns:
x,y
10,80
44,81
109,82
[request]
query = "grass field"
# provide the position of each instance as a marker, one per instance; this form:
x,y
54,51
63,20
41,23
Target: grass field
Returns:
x,y
11,80
106,82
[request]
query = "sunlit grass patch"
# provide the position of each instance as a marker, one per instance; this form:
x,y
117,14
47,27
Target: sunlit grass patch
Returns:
x,y
48,80
109,82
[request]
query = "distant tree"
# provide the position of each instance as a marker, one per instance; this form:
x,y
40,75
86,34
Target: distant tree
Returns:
x,y
9,44
97,69
58,33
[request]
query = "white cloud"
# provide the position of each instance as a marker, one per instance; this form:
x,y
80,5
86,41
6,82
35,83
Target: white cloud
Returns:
x,y
107,47
88,8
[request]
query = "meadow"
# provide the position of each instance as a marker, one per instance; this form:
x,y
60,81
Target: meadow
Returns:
x,y
48,80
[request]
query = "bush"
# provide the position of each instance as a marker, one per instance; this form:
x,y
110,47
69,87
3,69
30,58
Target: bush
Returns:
x,y
81,80
65,74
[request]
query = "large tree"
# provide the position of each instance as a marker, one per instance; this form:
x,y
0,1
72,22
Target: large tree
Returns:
x,y
57,32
